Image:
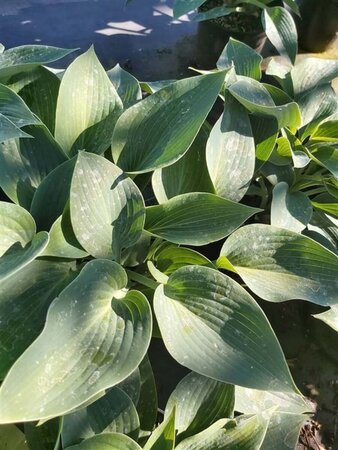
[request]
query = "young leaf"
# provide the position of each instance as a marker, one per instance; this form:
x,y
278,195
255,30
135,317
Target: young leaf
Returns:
x,y
158,131
17,59
25,162
188,174
211,325
290,210
326,132
163,437
199,402
106,207
281,31
16,225
107,441
94,339
279,264
230,151
24,301
245,60
244,433
196,219
86,98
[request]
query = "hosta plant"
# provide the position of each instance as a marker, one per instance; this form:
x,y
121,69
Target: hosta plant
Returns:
x,y
110,197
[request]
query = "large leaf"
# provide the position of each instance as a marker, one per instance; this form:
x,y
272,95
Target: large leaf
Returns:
x,y
16,225
196,219
257,99
107,441
312,72
106,207
25,162
188,174
24,301
126,86
39,88
14,114
327,132
279,264
17,257
87,99
290,210
25,57
157,131
246,61
281,31
230,151
244,433
114,412
52,195
283,431
199,402
211,325
163,437
12,438
93,339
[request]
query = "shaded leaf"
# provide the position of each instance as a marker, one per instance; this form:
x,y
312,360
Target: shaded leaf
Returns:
x,y
42,437
12,438
107,441
163,437
126,86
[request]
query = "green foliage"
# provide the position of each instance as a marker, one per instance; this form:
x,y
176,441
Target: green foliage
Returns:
x,y
105,189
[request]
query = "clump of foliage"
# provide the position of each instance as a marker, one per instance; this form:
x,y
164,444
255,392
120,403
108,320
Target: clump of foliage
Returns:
x,y
107,197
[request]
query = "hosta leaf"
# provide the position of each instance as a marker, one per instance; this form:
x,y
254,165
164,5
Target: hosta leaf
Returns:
x,y
16,225
52,195
214,13
196,218
42,437
18,257
107,441
211,325
24,57
327,132
12,438
86,98
137,253
95,340
106,207
316,105
188,174
252,401
281,31
163,437
283,431
279,264
230,151
153,86
244,433
61,244
265,131
256,98
326,203
157,131
14,114
182,7
39,88
146,404
290,210
246,61
329,317
328,158
24,301
312,72
25,162
114,412
126,85
199,402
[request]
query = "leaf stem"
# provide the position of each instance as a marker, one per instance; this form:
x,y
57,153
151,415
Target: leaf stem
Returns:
x,y
135,276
